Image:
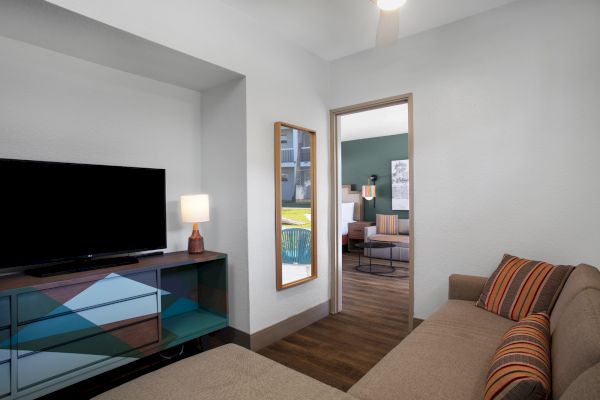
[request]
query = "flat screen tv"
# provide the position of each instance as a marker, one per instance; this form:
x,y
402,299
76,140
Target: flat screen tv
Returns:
x,y
54,212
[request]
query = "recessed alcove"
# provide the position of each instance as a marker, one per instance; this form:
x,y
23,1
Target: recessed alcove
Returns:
x,y
77,90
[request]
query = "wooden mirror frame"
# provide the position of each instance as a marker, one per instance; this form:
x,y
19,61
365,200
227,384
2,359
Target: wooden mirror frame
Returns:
x,y
313,205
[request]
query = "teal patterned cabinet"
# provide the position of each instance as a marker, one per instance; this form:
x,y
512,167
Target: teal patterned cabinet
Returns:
x,y
59,330
5,346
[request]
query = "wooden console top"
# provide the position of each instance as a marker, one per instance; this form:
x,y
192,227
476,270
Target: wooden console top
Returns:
x,y
169,260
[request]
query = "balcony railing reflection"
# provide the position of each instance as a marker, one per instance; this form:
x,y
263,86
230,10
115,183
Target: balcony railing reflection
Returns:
x,y
287,155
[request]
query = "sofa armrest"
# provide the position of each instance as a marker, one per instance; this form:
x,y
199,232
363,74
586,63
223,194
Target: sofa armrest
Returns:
x,y
370,231
465,287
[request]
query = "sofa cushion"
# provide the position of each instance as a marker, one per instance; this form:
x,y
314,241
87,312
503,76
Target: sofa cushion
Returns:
x,y
446,357
227,372
520,369
404,226
520,287
400,240
585,387
582,277
387,224
576,340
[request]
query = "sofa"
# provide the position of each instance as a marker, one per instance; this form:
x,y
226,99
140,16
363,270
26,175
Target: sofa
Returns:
x,y
402,241
446,357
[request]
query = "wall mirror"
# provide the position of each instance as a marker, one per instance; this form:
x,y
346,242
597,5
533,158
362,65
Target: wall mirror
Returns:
x,y
295,205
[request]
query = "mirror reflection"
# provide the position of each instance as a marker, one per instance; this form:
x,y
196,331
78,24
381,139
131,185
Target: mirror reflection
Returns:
x,y
296,178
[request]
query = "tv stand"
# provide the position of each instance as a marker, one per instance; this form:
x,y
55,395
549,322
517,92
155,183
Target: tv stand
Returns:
x,y
81,265
59,330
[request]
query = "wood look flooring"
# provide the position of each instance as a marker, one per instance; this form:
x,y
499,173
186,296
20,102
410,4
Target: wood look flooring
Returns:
x,y
339,349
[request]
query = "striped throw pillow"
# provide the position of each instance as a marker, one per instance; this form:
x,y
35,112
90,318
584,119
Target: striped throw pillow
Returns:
x,y
521,366
520,287
387,224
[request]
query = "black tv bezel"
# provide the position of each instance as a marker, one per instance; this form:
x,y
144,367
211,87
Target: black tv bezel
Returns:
x,y
46,262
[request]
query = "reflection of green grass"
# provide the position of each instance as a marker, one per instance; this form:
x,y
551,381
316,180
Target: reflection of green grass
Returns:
x,y
296,214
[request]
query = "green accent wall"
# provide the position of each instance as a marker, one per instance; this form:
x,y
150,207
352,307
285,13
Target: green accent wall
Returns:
x,y
364,157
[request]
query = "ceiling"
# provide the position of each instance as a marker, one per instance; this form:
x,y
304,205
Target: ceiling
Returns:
x,y
333,29
384,121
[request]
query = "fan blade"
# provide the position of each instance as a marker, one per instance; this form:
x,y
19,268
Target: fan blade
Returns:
x,y
389,27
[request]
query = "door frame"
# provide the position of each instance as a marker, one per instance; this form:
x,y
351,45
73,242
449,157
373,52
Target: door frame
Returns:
x,y
335,302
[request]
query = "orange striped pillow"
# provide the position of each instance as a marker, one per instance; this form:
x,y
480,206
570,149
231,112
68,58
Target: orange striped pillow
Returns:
x,y
521,366
387,224
520,287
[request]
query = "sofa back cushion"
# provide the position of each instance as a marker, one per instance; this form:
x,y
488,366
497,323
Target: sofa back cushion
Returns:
x,y
387,224
520,287
520,369
585,387
583,277
576,340
404,227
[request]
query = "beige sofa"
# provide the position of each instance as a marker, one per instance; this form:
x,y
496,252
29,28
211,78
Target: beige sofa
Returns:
x,y
446,357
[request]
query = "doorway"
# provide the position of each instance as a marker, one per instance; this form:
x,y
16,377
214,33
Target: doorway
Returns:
x,y
380,186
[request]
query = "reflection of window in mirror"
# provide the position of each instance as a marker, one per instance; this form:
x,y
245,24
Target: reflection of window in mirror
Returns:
x,y
296,256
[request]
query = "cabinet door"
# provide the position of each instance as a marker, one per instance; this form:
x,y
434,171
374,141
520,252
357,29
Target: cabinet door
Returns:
x,y
4,312
5,346
69,298
5,343
4,378
38,367
51,332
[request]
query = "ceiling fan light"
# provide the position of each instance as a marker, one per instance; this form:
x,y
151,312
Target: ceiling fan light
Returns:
x,y
390,5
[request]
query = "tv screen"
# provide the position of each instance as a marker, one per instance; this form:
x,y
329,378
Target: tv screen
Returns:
x,y
58,211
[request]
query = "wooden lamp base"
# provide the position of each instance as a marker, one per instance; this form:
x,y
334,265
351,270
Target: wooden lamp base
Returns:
x,y
196,242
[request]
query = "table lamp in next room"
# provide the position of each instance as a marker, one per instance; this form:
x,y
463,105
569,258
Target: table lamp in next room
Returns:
x,y
195,209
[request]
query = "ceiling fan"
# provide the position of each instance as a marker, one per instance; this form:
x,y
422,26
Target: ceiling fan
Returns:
x,y
389,21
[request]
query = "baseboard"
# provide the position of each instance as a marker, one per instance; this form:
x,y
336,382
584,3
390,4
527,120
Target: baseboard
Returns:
x,y
284,328
280,330
232,335
416,322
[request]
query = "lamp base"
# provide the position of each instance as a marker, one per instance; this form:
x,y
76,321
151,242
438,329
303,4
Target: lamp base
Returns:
x,y
196,242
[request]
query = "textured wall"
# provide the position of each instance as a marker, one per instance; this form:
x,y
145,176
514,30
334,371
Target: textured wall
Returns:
x,y
59,108
506,129
283,83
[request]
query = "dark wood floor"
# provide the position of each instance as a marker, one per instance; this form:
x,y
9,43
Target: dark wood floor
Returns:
x,y
339,349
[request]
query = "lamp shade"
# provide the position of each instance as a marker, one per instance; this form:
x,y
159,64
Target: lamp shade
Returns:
x,y
369,191
195,208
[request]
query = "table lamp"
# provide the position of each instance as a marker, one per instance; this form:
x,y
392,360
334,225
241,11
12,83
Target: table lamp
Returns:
x,y
195,209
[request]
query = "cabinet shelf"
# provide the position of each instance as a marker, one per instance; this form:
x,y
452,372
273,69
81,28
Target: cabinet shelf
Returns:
x,y
192,324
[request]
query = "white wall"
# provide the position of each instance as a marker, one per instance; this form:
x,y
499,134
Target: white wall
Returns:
x,y
506,129
58,108
223,175
283,82
507,132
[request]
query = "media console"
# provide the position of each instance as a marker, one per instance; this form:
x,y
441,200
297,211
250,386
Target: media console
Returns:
x,y
58,330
